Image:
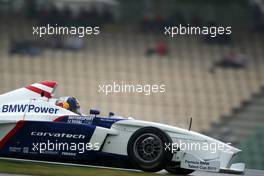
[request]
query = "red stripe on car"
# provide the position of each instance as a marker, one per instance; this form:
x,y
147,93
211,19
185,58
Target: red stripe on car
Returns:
x,y
39,91
50,84
59,119
18,126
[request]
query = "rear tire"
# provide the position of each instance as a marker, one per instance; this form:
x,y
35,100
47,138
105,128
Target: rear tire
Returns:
x,y
146,149
174,168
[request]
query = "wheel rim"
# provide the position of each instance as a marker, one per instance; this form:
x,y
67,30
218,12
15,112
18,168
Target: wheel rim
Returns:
x,y
148,147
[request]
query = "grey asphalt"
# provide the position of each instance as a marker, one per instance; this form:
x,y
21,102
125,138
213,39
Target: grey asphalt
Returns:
x,y
248,172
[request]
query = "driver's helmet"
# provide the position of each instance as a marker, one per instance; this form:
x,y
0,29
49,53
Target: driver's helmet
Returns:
x,y
69,103
74,105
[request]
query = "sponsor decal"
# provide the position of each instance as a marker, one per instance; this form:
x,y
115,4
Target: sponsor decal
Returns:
x,y
58,135
25,150
201,165
48,152
28,108
190,162
68,153
15,149
81,119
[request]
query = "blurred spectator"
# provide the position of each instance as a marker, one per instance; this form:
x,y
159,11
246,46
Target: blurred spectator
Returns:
x,y
160,49
56,42
26,47
73,43
232,60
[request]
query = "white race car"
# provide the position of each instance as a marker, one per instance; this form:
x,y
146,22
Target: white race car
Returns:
x,y
33,126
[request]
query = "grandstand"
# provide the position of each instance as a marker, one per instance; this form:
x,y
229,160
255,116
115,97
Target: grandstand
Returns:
x,y
119,56
191,91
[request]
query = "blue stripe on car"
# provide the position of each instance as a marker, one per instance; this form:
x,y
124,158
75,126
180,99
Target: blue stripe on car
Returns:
x,y
105,122
34,132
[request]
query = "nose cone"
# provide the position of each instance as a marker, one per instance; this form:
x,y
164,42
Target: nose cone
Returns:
x,y
232,149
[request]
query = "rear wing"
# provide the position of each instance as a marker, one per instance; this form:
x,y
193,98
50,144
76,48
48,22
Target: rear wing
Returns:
x,y
44,90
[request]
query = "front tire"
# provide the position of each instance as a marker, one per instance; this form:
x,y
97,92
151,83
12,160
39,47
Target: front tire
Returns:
x,y
146,149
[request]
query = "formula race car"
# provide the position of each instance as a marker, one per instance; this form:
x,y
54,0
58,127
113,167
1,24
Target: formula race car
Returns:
x,y
33,126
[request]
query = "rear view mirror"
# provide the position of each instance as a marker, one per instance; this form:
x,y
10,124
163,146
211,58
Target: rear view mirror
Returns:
x,y
94,111
111,114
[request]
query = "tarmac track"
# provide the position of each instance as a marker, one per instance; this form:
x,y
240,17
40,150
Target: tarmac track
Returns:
x,y
248,172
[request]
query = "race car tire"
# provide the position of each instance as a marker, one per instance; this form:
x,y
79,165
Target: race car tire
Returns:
x,y
174,168
146,149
